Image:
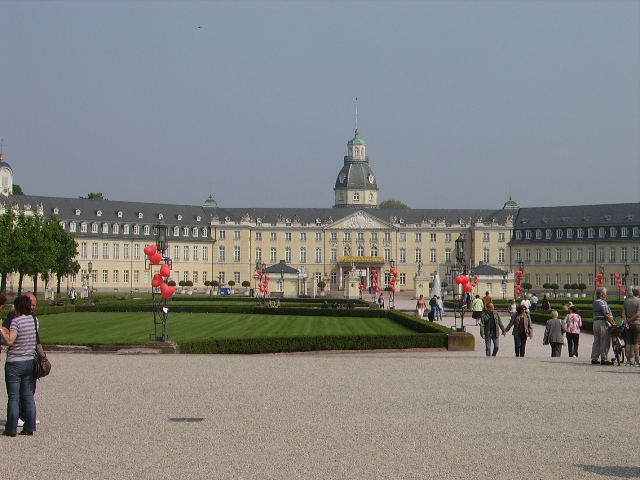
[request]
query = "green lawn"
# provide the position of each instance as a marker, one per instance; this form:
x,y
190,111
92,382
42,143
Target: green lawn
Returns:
x,y
135,328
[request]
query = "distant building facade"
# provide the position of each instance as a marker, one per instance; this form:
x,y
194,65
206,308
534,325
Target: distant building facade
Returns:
x,y
554,244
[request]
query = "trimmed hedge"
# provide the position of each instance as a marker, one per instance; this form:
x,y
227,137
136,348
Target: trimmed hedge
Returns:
x,y
312,343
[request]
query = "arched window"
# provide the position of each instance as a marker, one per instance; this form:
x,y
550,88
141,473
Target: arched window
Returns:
x,y
356,196
360,251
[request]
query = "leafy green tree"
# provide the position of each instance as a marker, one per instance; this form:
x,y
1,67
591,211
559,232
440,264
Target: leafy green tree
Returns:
x,y
394,204
9,250
35,252
554,287
63,249
17,190
94,196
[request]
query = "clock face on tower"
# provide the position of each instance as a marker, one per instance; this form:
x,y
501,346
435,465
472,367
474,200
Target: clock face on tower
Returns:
x,y
342,177
371,178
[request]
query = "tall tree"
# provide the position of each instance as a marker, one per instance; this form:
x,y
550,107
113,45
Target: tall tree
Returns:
x,y
394,204
17,190
95,196
9,250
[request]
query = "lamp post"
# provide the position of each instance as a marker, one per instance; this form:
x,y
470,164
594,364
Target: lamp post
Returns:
x,y
89,273
282,282
461,268
160,308
627,270
504,285
257,289
392,295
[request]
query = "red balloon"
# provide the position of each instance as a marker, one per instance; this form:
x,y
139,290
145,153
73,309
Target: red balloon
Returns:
x,y
457,280
465,279
624,292
468,287
150,250
377,289
393,289
519,273
156,281
165,270
475,277
374,271
267,277
166,291
156,258
617,275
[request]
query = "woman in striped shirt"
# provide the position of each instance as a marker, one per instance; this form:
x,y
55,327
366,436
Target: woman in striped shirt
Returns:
x,y
19,368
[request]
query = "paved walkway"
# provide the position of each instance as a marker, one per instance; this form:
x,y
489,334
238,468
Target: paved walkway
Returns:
x,y
360,415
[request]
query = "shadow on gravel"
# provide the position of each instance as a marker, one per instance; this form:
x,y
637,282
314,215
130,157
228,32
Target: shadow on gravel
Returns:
x,y
612,471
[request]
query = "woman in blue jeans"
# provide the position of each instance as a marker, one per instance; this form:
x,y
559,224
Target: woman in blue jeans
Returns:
x,y
19,368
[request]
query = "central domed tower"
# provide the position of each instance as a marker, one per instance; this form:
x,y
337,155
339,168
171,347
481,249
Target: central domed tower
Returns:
x,y
356,185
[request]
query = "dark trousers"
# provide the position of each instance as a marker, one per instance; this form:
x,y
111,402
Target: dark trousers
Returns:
x,y
572,343
556,349
520,341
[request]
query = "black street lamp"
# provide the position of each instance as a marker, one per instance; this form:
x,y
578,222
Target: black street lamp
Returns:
x,y
392,295
89,273
160,308
461,269
627,270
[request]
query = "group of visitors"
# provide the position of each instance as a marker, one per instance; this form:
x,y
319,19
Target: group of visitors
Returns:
x,y
434,308
19,332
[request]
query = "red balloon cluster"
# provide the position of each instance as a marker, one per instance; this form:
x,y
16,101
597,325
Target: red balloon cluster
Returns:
x,y
361,286
600,280
374,281
618,281
263,284
158,280
393,279
518,281
467,284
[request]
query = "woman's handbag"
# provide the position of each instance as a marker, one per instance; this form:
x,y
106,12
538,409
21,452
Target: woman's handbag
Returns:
x,y
43,365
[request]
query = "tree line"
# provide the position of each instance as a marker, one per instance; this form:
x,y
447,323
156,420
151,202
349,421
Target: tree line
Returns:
x,y
36,247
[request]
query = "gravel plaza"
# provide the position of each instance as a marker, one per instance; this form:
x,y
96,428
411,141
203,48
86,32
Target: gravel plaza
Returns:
x,y
333,415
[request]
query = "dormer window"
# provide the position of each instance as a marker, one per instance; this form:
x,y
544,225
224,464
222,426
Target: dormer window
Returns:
x,y
198,218
145,230
194,232
125,229
179,217
56,211
99,213
72,227
83,227
115,228
77,211
105,228
185,231
140,215
119,214
160,216
94,228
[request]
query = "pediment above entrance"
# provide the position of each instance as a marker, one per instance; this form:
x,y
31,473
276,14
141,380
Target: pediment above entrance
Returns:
x,y
360,221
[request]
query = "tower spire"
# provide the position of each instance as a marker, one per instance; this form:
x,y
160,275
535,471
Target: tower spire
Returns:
x,y
357,116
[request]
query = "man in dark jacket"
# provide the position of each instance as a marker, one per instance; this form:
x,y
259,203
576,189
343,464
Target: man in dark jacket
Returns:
x,y
490,329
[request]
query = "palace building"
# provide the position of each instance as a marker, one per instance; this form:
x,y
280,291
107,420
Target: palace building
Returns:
x,y
302,246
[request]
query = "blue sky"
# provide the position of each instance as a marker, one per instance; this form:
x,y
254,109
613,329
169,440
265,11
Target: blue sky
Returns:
x,y
462,104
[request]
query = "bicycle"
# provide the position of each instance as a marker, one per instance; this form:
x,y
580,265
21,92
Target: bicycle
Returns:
x,y
617,333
